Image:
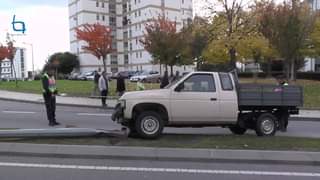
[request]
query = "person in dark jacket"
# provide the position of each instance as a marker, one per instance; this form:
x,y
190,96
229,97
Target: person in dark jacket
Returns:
x,y
121,86
49,94
176,77
164,80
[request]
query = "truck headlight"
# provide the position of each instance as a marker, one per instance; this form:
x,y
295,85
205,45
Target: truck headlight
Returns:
x,y
122,103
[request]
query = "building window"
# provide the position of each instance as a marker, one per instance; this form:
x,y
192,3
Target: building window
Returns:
x,y
114,69
98,17
136,40
97,4
140,54
102,5
137,55
139,13
113,21
135,1
130,46
126,59
103,18
135,14
182,1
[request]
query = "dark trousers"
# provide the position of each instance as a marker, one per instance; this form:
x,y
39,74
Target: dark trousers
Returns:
x,y
50,102
104,94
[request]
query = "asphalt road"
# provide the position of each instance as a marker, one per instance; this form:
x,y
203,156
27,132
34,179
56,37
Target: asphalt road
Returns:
x,y
25,115
16,168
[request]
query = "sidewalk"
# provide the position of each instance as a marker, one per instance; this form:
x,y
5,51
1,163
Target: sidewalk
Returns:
x,y
66,101
96,103
170,154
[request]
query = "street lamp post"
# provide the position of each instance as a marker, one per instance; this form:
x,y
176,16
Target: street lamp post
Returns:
x,y
30,44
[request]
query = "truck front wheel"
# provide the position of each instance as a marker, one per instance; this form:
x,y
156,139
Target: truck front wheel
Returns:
x,y
149,125
266,125
236,129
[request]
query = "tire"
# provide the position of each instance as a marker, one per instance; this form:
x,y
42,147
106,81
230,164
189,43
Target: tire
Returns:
x,y
266,125
236,129
149,125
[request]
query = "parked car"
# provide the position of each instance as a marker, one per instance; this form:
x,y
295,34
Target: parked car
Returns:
x,y
203,99
90,75
147,77
125,74
73,76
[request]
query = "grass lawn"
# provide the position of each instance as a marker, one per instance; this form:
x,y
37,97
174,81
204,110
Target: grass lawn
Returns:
x,y
84,88
71,88
191,141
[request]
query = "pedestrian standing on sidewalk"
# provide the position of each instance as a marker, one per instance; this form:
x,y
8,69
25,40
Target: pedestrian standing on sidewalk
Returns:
x,y
49,94
121,87
96,83
103,87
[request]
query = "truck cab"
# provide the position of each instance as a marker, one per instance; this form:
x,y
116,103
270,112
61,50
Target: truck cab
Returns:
x,y
199,99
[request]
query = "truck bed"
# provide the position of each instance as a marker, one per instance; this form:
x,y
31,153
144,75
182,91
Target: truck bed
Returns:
x,y
262,96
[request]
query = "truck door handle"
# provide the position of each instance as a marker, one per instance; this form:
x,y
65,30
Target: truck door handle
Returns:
x,y
213,99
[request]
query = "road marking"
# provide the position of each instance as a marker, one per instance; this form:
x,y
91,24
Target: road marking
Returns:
x,y
166,170
18,112
93,114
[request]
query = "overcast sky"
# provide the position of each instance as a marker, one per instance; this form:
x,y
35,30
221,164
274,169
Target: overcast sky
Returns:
x,y
47,26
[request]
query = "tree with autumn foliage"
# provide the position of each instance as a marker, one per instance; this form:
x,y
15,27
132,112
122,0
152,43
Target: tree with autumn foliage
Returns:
x,y
8,52
98,38
3,55
163,42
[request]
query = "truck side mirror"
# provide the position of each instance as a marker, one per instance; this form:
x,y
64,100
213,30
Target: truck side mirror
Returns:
x,y
179,87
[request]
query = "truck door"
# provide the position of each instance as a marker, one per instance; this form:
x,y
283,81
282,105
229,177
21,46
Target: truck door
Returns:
x,y
228,98
196,101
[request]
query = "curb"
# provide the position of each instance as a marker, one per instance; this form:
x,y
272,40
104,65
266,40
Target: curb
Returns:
x,y
58,104
160,154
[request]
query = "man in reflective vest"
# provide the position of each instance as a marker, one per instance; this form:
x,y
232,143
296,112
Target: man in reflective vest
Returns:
x,y
49,94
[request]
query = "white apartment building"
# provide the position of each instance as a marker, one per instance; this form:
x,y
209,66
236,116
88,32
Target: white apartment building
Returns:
x,y
20,66
127,19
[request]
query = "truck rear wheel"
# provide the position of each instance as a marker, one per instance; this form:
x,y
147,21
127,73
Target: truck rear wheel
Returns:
x,y
149,125
236,129
266,125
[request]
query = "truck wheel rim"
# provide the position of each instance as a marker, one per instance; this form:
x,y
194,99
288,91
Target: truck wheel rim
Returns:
x,y
150,125
267,126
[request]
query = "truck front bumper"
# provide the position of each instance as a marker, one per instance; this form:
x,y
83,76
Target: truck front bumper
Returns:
x,y
118,114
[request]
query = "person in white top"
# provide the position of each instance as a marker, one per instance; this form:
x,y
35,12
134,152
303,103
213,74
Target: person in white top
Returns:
x,y
103,87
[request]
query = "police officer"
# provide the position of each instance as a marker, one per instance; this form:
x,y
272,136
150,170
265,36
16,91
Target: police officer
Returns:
x,y
49,94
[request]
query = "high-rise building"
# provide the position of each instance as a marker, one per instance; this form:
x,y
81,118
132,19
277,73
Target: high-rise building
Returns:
x,y
315,4
20,67
127,19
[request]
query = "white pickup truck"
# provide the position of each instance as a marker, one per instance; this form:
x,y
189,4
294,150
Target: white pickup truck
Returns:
x,y
202,99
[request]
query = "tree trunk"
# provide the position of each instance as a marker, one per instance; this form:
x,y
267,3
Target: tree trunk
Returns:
x,y
292,78
233,58
287,68
104,59
171,70
269,68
